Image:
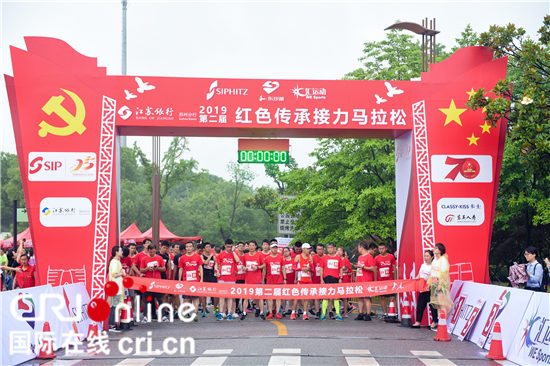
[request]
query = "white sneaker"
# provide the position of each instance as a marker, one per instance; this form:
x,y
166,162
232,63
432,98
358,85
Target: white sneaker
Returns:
x,y
144,320
235,316
165,319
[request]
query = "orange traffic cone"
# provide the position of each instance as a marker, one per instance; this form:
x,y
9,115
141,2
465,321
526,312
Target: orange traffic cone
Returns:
x,y
406,319
46,347
442,335
392,316
92,330
495,352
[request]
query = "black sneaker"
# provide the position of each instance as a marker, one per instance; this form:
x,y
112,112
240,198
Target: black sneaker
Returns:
x,y
331,315
262,316
360,317
288,312
257,313
317,315
243,316
300,312
367,318
115,329
311,311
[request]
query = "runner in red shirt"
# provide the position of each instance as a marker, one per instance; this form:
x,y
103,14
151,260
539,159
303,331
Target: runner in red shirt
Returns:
x,y
241,272
254,265
304,264
297,249
276,274
332,271
226,269
290,274
366,272
348,274
136,261
386,272
191,271
151,265
316,277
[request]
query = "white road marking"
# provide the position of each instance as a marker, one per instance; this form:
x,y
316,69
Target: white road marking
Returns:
x,y
506,363
285,361
217,351
62,362
361,361
356,352
287,350
135,362
209,361
436,362
426,353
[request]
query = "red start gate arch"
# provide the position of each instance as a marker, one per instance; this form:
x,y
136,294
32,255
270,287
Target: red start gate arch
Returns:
x,y
67,111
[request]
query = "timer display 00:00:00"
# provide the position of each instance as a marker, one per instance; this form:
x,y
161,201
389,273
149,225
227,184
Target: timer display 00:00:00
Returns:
x,y
260,156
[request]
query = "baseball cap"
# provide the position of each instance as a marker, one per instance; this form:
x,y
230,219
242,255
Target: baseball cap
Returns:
x,y
306,246
274,245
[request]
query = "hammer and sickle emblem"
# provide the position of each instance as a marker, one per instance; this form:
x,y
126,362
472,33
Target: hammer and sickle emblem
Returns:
x,y
74,123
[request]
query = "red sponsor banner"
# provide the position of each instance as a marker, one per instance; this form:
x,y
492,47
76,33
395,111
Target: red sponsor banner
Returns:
x,y
326,291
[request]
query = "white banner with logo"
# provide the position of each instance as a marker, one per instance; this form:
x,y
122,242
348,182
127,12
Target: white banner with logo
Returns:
x,y
531,344
75,308
505,305
474,292
22,320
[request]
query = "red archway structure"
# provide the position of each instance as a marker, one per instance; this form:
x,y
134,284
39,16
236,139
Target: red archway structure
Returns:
x,y
67,112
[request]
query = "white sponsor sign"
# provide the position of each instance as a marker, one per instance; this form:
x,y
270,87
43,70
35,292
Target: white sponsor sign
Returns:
x,y
462,168
460,211
62,167
474,291
65,212
472,318
531,344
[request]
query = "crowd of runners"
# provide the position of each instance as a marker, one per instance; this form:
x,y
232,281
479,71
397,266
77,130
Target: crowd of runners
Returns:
x,y
250,263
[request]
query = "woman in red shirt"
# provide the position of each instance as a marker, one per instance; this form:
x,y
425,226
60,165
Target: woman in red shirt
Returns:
x,y
348,274
26,273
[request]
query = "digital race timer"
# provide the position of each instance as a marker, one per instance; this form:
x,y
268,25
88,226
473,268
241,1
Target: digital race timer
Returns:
x,y
262,156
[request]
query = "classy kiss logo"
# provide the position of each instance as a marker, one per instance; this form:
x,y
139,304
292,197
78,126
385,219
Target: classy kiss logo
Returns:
x,y
74,123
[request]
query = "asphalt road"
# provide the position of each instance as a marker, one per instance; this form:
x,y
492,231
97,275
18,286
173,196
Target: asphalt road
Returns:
x,y
257,342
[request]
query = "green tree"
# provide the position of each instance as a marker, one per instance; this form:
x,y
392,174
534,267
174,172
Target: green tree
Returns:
x,y
174,169
522,100
468,38
348,193
12,189
265,199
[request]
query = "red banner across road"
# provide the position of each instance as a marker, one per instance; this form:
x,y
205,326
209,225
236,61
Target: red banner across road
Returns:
x,y
326,291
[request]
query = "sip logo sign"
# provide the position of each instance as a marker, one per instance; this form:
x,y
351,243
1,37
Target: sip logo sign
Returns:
x,y
462,168
62,167
65,212
460,212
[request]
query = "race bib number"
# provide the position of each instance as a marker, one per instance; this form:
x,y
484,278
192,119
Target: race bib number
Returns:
x,y
210,265
226,270
242,269
153,264
332,264
318,271
385,272
172,265
250,266
305,274
288,268
359,271
191,275
275,269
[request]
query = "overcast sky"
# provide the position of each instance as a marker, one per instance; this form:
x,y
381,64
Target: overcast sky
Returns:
x,y
265,40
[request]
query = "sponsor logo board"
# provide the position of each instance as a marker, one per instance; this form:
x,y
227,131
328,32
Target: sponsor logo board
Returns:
x,y
462,168
460,211
62,167
65,212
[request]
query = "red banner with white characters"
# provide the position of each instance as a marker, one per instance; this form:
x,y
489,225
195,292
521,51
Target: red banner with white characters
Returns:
x,y
326,291
66,111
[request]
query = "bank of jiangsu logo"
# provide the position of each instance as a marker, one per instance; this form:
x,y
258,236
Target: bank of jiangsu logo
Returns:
x,y
74,123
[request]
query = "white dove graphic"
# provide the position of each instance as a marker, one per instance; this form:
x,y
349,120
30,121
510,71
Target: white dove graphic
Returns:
x,y
392,90
129,95
379,100
142,86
